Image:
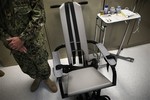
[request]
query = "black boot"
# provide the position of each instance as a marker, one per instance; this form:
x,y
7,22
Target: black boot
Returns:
x,y
35,85
1,73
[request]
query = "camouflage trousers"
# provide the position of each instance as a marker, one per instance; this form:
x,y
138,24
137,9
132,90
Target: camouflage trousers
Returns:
x,y
34,62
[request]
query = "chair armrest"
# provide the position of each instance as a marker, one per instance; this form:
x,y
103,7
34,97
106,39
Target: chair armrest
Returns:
x,y
105,53
110,60
56,61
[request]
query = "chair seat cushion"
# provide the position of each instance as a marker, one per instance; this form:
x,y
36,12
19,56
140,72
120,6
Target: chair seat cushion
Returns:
x,y
85,80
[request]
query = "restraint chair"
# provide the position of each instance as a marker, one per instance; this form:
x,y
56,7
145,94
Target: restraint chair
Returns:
x,y
80,77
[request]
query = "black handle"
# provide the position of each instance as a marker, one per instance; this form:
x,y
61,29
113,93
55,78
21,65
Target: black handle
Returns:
x,y
81,3
55,6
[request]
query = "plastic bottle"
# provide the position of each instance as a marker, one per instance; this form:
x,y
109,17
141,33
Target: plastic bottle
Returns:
x,y
112,10
118,9
106,9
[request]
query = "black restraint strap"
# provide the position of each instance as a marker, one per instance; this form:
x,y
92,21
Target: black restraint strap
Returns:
x,y
70,31
68,68
113,68
76,32
110,57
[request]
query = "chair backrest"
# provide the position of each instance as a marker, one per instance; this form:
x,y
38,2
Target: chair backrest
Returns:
x,y
74,32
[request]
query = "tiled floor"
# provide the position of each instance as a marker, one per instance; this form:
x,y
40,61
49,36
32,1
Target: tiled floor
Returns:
x,y
133,81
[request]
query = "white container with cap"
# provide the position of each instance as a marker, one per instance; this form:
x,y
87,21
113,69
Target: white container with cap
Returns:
x,y
106,9
112,10
118,9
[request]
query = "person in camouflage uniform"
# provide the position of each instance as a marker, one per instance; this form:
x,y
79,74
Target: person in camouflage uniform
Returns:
x,y
21,22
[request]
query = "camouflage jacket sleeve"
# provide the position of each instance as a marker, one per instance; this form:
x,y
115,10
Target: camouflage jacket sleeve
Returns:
x,y
1,33
37,20
3,37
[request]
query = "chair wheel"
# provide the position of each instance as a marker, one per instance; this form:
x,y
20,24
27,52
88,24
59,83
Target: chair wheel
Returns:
x,y
104,97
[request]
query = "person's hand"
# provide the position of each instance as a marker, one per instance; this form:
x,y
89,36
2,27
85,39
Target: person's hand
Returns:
x,y
23,49
17,44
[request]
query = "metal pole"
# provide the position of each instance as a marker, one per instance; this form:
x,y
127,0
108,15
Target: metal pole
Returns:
x,y
124,37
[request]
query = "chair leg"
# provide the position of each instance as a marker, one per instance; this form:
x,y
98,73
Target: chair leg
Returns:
x,y
101,98
87,96
79,97
94,96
